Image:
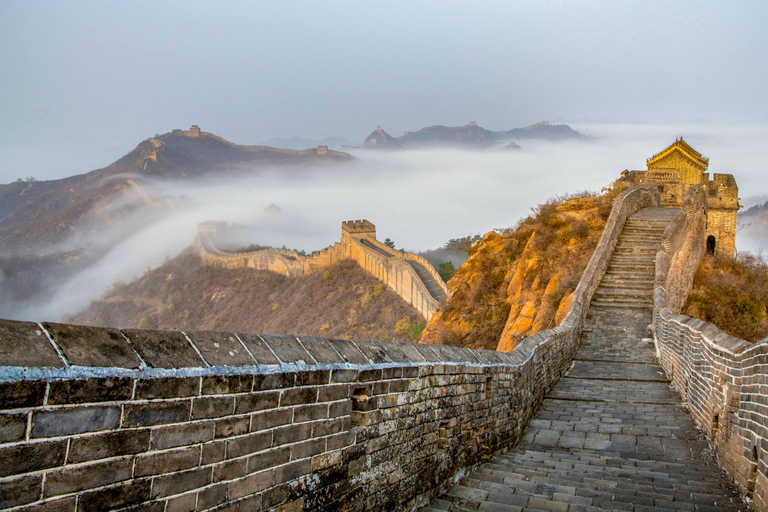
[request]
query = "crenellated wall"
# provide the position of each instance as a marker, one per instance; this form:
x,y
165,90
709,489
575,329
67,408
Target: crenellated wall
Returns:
x,y
358,242
391,267
724,380
102,419
285,262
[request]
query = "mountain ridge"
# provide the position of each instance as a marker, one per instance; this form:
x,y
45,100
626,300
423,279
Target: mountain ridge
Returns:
x,y
469,135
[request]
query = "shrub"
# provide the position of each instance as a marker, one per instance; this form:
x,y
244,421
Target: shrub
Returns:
x,y
446,270
416,329
403,326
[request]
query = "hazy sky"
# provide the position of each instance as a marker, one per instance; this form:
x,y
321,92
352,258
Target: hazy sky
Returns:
x,y
81,83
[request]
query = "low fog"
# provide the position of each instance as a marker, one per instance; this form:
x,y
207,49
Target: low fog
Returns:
x,y
418,198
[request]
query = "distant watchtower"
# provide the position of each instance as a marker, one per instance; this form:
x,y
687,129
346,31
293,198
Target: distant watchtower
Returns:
x,y
355,229
472,123
322,150
194,131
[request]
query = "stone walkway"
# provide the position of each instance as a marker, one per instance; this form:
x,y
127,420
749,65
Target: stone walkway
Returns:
x,y
612,435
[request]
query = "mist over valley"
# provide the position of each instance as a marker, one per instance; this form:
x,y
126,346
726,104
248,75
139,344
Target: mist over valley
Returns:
x,y
115,223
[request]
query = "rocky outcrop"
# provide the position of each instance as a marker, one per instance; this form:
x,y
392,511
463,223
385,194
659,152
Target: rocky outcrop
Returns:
x,y
519,282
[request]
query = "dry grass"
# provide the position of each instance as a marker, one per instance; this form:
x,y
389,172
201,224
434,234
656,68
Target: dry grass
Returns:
x,y
732,294
511,268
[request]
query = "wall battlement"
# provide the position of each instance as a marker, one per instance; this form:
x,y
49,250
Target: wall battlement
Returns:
x,y
720,377
358,226
418,283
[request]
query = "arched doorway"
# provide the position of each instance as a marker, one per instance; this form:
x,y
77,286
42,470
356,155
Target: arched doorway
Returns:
x,y
711,244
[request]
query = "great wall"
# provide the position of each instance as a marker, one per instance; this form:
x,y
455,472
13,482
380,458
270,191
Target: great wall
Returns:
x,y
409,275
578,417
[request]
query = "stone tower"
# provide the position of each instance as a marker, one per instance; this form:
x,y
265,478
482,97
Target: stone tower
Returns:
x,y
676,169
356,229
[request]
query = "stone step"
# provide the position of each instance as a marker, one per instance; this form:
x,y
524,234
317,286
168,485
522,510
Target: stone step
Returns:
x,y
607,304
630,265
617,274
646,287
616,293
621,283
642,236
624,247
632,256
612,434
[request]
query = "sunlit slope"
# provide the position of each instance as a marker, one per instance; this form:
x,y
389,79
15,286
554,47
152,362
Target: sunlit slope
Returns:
x,y
340,301
520,280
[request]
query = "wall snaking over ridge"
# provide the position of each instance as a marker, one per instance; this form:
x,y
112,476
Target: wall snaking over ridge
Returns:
x,y
409,275
722,378
96,418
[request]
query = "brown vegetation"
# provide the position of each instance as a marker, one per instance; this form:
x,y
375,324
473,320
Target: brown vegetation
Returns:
x,y
339,301
520,280
732,294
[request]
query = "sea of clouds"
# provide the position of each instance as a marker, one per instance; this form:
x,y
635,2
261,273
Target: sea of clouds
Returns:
x,y
418,198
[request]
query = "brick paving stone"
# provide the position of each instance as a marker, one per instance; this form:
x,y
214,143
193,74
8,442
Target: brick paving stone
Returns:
x,y
612,434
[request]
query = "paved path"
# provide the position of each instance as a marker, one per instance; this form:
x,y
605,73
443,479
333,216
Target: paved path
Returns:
x,y
612,434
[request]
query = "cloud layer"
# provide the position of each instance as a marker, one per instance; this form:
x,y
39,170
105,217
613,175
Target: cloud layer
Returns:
x,y
418,198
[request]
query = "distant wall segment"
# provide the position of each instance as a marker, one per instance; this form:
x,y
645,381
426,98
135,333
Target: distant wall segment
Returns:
x,y
722,378
358,242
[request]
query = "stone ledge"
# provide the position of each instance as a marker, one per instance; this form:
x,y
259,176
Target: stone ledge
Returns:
x,y
153,354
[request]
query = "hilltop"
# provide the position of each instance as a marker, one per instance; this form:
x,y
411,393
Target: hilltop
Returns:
x,y
520,280
182,294
469,135
36,214
753,223
52,229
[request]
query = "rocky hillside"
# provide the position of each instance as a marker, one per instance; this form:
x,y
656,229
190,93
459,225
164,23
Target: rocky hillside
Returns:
x,y
469,135
520,280
340,301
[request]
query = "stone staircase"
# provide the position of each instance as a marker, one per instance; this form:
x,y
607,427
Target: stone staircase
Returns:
x,y
612,434
628,281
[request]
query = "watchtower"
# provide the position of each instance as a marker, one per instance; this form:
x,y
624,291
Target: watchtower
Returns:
x,y
355,229
194,131
322,150
679,167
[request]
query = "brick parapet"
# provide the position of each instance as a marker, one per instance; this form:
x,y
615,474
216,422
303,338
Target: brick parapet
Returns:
x,y
418,259
724,380
373,257
202,419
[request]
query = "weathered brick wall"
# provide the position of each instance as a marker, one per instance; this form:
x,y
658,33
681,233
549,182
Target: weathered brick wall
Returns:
x,y
103,419
386,264
98,419
723,379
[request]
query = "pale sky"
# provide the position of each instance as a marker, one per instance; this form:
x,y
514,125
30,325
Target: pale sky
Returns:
x,y
81,83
